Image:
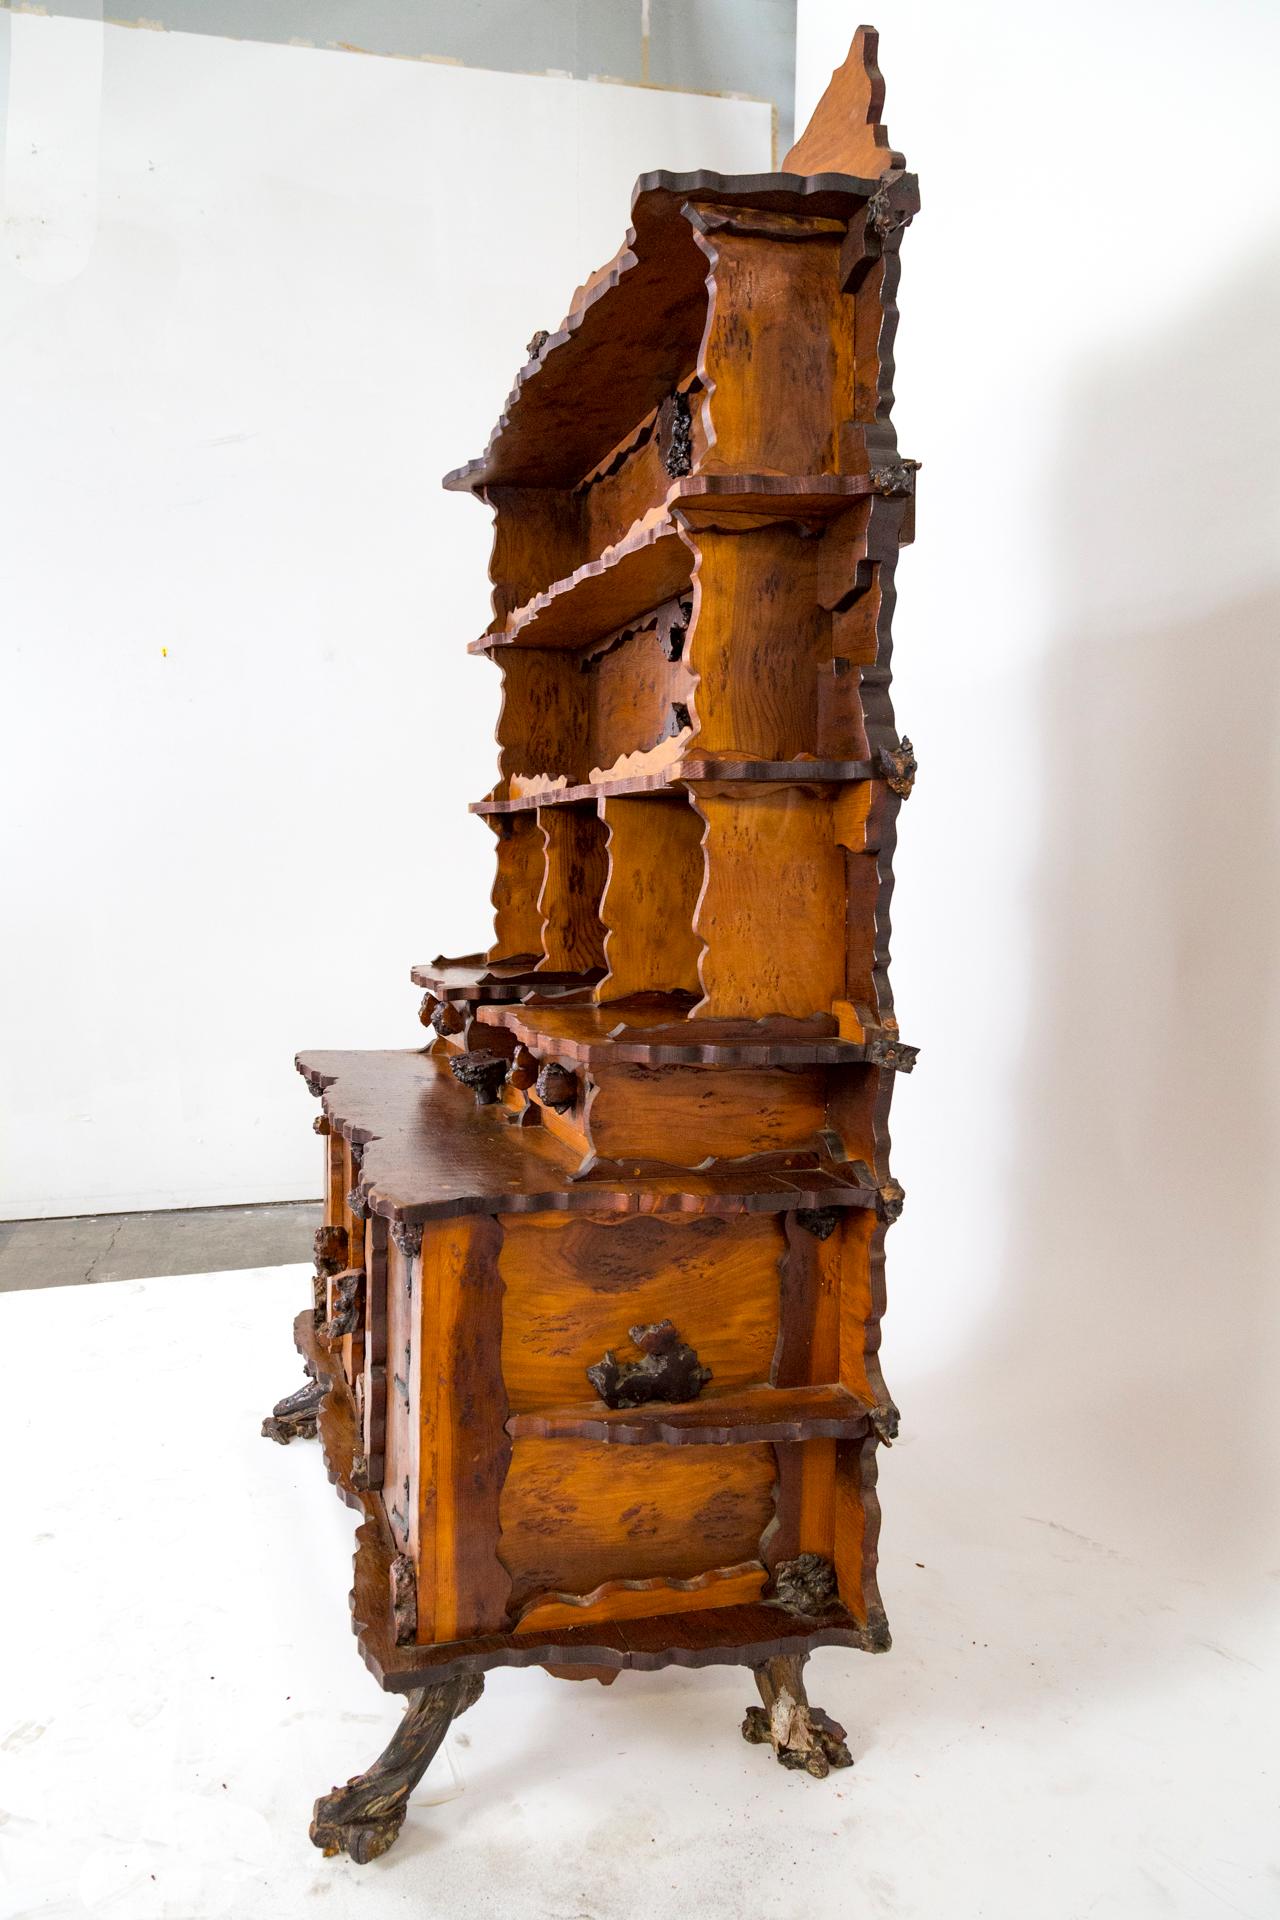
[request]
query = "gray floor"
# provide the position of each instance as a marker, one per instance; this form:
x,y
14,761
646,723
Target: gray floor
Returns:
x,y
135,1246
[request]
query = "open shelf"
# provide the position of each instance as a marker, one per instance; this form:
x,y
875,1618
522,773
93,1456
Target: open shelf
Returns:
x,y
650,562
736,1415
654,1030
633,330
648,565
476,980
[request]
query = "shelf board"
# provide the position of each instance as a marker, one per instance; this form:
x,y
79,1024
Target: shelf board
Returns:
x,y
654,1030
653,563
650,564
732,1416
691,770
726,499
632,331
478,980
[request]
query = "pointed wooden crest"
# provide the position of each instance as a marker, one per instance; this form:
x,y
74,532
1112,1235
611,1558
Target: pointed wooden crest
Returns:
x,y
845,135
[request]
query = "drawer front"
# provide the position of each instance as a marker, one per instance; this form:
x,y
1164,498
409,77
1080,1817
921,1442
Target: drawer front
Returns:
x,y
574,1285
576,1515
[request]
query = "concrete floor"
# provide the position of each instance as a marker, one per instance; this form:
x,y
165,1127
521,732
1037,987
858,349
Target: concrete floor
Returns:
x,y
139,1246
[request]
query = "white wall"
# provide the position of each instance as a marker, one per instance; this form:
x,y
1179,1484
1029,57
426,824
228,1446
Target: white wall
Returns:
x,y
1083,1286
252,308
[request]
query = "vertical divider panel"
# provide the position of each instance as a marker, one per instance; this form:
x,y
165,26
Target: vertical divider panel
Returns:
x,y
464,1448
373,1430
806,1354
517,922
759,640
574,870
354,1224
777,358
771,911
650,897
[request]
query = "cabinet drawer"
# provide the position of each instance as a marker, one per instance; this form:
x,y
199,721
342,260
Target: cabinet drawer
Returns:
x,y
574,1285
575,1515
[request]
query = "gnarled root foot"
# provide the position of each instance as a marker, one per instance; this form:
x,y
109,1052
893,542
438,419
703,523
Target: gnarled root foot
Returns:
x,y
294,1417
363,1818
802,1737
360,1840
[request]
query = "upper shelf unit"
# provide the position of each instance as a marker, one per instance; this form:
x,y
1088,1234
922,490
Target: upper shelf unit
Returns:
x,y
635,330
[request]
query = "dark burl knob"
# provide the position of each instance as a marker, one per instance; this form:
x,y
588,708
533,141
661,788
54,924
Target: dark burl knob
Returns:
x,y
670,1370
447,1019
348,1303
523,1072
806,1584
483,1072
330,1250
556,1087
898,767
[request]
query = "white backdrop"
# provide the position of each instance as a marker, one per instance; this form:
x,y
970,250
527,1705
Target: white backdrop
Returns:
x,y
1083,1286
1087,909
252,309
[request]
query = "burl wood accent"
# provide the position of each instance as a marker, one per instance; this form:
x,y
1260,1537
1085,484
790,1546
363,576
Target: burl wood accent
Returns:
x,y
669,1370
294,1417
655,1107
803,1738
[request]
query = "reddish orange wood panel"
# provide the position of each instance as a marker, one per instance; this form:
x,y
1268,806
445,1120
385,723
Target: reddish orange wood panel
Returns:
x,y
650,896
576,1514
465,1448
575,1285
690,1114
771,911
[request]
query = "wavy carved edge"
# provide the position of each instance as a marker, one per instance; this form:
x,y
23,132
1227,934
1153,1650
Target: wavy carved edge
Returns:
x,y
848,113
778,1429
744,1573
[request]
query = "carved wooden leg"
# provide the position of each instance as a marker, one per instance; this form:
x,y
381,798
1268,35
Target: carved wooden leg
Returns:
x,y
801,1736
294,1417
363,1818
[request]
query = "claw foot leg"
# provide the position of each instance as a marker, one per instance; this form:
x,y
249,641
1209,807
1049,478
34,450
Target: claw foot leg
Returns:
x,y
801,1736
294,1417
363,1818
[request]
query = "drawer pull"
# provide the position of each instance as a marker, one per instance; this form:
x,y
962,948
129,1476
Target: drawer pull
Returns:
x,y
670,1370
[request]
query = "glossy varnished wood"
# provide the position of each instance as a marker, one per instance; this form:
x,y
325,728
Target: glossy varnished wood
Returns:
x,y
598,1298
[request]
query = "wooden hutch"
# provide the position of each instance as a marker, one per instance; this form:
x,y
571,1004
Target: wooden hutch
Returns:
x,y
594,1342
